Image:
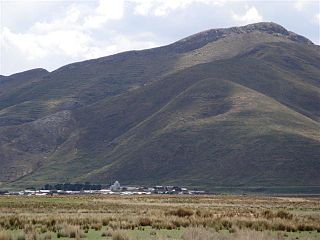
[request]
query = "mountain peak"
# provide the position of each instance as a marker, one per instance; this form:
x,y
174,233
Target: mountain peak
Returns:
x,y
269,27
276,29
202,38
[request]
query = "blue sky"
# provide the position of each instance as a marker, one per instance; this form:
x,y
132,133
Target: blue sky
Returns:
x,y
50,34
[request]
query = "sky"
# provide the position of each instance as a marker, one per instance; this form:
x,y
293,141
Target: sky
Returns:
x,y
50,34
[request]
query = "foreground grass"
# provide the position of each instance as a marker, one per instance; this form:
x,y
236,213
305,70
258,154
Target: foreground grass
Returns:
x,y
159,217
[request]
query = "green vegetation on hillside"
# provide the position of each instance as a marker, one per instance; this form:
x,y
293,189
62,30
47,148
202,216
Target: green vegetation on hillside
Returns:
x,y
230,107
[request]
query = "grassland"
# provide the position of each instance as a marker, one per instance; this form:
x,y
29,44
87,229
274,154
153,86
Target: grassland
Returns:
x,y
159,217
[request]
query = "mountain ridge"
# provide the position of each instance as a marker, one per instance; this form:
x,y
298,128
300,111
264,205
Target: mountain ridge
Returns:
x,y
217,111
269,27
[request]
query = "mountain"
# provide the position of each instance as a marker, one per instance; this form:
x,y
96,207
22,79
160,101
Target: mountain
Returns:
x,y
236,107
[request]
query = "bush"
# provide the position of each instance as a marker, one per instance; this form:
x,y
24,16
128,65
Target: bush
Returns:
x,y
96,226
284,215
72,234
226,224
70,231
105,222
182,212
268,214
145,222
304,227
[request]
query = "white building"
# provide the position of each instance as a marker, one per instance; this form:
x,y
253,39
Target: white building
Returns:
x,y
115,187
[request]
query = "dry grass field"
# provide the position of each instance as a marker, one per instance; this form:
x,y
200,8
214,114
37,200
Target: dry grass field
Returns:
x,y
159,217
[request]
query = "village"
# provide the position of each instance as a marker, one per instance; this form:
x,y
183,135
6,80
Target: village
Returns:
x,y
113,189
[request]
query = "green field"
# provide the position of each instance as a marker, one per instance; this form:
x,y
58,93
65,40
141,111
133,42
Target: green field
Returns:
x,y
159,217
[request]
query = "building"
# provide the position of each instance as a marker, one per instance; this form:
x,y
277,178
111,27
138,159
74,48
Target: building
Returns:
x,y
115,187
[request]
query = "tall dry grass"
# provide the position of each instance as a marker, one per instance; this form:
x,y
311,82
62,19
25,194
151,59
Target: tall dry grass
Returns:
x,y
74,216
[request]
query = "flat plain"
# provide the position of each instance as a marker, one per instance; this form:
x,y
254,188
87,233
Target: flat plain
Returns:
x,y
159,217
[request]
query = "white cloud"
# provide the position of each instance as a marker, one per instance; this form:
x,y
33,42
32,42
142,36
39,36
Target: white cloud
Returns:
x,y
35,46
53,33
300,5
68,35
167,6
24,42
71,20
251,16
72,36
121,42
317,18
164,7
107,10
142,7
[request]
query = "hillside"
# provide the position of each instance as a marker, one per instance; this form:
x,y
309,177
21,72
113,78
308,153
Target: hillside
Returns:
x,y
225,107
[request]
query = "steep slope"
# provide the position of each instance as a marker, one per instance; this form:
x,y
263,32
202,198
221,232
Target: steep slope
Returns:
x,y
86,82
205,126
225,107
10,88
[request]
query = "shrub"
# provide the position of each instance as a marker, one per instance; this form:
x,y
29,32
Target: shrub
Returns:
x,y
70,231
304,227
96,226
145,222
268,214
284,215
72,234
279,227
182,212
105,222
226,224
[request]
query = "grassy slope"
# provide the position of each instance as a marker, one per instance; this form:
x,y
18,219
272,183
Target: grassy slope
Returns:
x,y
229,135
224,123
250,120
73,86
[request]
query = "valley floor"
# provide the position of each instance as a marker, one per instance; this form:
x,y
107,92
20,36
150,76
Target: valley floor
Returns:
x,y
159,217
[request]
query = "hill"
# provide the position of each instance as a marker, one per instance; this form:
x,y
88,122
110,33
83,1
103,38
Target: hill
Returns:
x,y
235,107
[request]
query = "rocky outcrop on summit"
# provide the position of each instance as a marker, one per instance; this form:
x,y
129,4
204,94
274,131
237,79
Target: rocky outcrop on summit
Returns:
x,y
200,39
